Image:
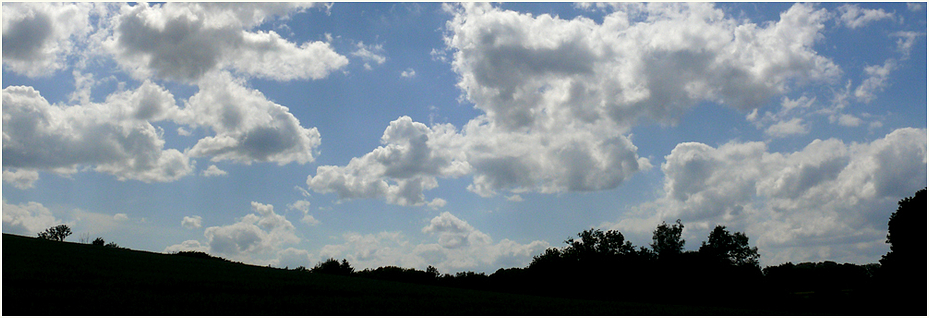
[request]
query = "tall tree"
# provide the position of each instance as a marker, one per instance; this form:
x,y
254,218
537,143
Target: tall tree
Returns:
x,y
906,233
666,239
732,249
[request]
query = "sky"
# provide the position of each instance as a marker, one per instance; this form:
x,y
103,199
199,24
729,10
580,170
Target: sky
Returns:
x,y
469,137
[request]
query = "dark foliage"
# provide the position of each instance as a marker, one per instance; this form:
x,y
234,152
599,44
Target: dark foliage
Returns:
x,y
332,266
667,241
394,273
729,249
602,266
55,233
199,254
903,269
906,233
98,241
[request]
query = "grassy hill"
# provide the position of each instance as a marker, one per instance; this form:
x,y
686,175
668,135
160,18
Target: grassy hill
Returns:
x,y
43,277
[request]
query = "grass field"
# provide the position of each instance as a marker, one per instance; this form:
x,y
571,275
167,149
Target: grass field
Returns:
x,y
43,277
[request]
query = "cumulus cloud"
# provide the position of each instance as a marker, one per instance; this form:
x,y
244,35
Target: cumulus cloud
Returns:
x,y
251,235
412,157
559,96
458,245
213,171
21,178
27,219
38,37
807,204
853,16
192,222
248,126
293,258
184,42
521,69
114,137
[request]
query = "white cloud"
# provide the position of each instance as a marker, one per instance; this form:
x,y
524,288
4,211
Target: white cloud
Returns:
x,y
412,157
521,69
853,16
876,81
905,41
408,73
115,136
304,206
788,128
824,198
370,53
437,203
184,42
849,120
213,171
438,55
188,245
560,96
38,37
27,219
293,258
251,236
248,126
21,178
192,222
120,217
458,246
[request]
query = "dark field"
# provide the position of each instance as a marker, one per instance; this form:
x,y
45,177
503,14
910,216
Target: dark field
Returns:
x,y
42,277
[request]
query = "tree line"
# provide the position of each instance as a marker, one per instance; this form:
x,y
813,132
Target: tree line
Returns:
x,y
724,271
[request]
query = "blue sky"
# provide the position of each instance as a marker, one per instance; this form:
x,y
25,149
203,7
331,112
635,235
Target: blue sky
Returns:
x,y
466,137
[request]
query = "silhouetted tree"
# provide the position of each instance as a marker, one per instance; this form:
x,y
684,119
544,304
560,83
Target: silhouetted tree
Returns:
x,y
667,241
98,241
332,266
906,233
731,249
56,233
596,244
432,271
903,269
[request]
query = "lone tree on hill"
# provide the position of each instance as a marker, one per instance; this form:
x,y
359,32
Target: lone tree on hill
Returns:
x,y
55,233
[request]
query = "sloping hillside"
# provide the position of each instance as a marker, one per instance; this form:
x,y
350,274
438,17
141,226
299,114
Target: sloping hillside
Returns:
x,y
59,278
